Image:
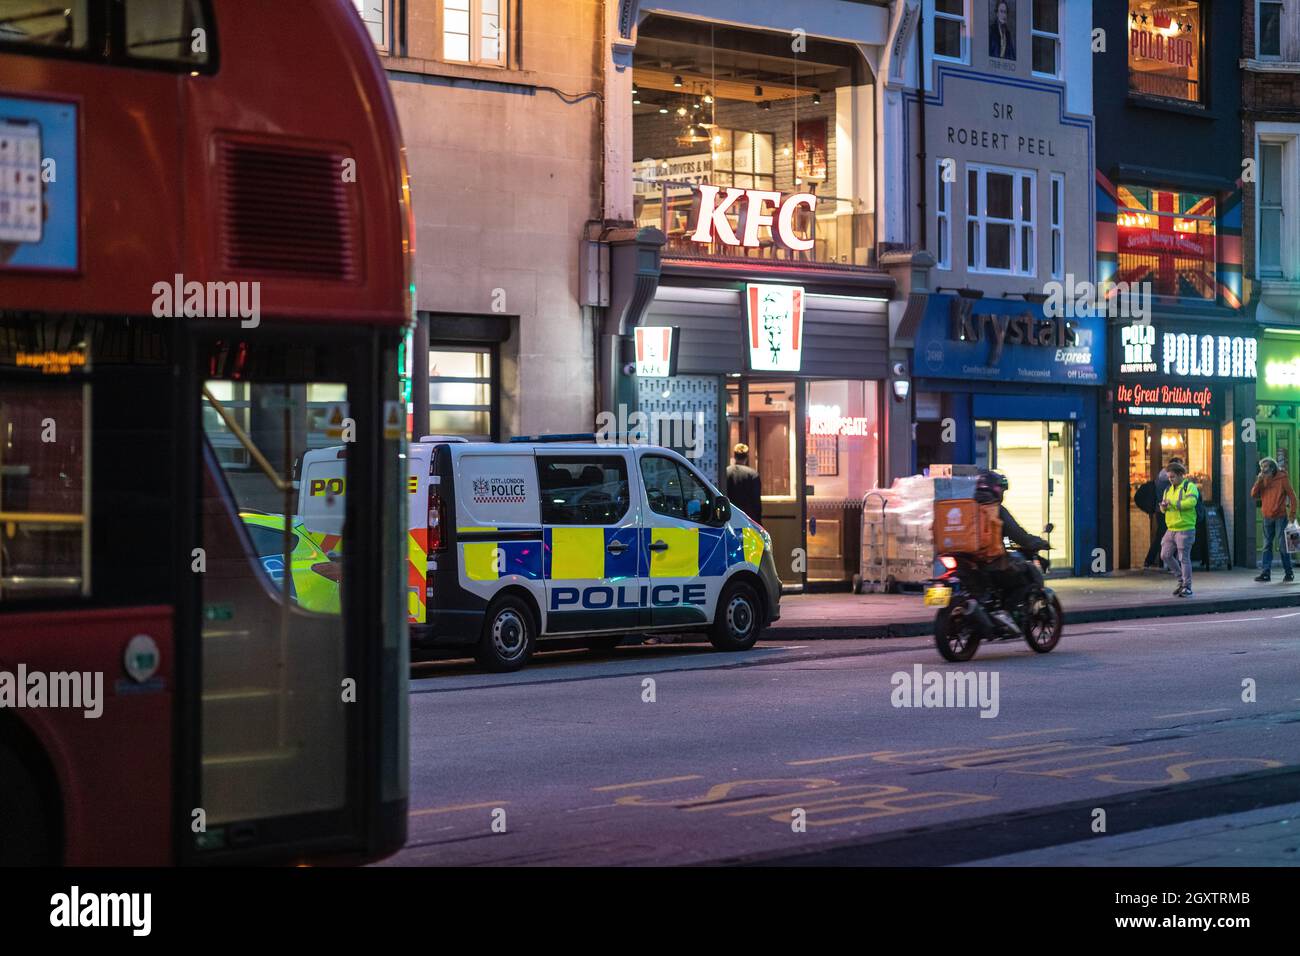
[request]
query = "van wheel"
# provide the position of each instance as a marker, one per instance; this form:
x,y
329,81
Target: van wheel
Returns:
x,y
26,837
737,619
509,635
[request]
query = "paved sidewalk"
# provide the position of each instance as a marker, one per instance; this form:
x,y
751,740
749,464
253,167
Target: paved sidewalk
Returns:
x,y
1122,595
1266,837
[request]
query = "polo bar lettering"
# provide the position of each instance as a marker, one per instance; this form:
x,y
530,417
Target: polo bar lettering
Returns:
x,y
712,225
1206,356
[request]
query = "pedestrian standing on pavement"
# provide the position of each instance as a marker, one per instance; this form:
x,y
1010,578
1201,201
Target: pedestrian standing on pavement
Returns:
x,y
744,489
1179,507
1161,486
1277,499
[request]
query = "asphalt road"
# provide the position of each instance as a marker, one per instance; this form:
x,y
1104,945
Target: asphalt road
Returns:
x,y
577,760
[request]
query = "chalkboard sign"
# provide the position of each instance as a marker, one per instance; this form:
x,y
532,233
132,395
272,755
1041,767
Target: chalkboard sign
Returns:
x,y
1217,557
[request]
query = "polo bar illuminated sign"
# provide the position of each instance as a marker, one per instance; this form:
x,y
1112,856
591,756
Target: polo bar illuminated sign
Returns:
x,y
774,327
655,356
709,215
1209,356
1145,350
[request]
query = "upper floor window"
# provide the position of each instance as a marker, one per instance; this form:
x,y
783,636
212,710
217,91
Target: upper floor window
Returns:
x,y
1058,225
1268,29
943,215
1165,48
1000,207
951,29
41,23
375,15
474,31
1167,238
1046,34
164,30
1271,215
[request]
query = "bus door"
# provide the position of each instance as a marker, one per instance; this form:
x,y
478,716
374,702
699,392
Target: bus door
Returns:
x,y
284,671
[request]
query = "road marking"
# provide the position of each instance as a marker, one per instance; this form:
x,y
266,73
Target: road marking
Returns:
x,y
1066,772
1032,733
645,783
1278,617
1191,713
463,806
816,760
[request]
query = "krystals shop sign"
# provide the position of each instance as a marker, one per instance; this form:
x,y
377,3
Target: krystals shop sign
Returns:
x,y
1006,341
1146,350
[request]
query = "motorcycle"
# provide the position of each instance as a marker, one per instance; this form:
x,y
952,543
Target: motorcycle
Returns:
x,y
968,609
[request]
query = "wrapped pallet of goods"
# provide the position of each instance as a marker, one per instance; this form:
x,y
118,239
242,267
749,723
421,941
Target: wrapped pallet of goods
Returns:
x,y
898,544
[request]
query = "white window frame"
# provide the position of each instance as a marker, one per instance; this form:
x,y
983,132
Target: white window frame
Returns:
x,y
1018,222
384,23
1287,135
964,20
943,218
1035,33
1281,33
1056,218
476,36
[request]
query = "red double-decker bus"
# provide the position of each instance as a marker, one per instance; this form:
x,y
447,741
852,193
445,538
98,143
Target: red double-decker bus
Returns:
x,y
205,272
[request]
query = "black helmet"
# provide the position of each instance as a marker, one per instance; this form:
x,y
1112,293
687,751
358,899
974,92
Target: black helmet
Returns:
x,y
990,486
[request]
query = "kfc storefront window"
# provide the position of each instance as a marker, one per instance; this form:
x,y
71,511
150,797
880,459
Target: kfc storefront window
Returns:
x,y
1167,238
1165,48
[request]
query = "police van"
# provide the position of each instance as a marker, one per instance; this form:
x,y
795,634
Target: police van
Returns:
x,y
513,544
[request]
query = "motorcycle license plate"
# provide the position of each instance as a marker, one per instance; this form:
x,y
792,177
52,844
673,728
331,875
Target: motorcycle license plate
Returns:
x,y
938,596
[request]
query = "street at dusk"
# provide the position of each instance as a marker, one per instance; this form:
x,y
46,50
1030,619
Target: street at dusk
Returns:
x,y
588,773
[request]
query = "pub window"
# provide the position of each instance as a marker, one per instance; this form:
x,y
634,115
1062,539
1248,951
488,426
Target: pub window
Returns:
x,y
1058,225
943,214
1270,208
1167,238
1046,35
1000,220
474,31
375,15
951,30
1269,29
1165,47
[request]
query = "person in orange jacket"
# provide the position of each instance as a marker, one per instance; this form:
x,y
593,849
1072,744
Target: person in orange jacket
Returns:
x,y
1278,500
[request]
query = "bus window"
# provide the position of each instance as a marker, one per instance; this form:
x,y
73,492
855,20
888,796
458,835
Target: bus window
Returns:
x,y
274,647
44,550
172,31
60,26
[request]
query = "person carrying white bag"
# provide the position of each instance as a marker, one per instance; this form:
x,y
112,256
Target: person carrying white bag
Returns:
x,y
1277,499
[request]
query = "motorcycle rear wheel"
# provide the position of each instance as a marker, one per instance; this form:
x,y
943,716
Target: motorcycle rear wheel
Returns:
x,y
955,635
1043,622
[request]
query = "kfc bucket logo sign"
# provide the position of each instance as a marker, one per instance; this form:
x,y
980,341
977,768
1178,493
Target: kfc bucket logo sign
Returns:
x,y
654,351
775,327
709,213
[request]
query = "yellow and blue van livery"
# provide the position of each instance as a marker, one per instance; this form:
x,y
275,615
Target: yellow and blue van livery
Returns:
x,y
538,540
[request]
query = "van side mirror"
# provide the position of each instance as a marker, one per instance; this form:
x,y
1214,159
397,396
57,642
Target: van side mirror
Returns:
x,y
721,510
1047,528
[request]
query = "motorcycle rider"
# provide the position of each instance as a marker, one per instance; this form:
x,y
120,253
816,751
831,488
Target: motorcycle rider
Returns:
x,y
1009,573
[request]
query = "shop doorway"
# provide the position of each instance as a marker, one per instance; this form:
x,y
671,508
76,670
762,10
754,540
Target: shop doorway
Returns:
x,y
1151,448
763,415
1037,460
816,445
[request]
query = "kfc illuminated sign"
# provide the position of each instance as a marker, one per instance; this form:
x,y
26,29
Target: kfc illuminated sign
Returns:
x,y
709,214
